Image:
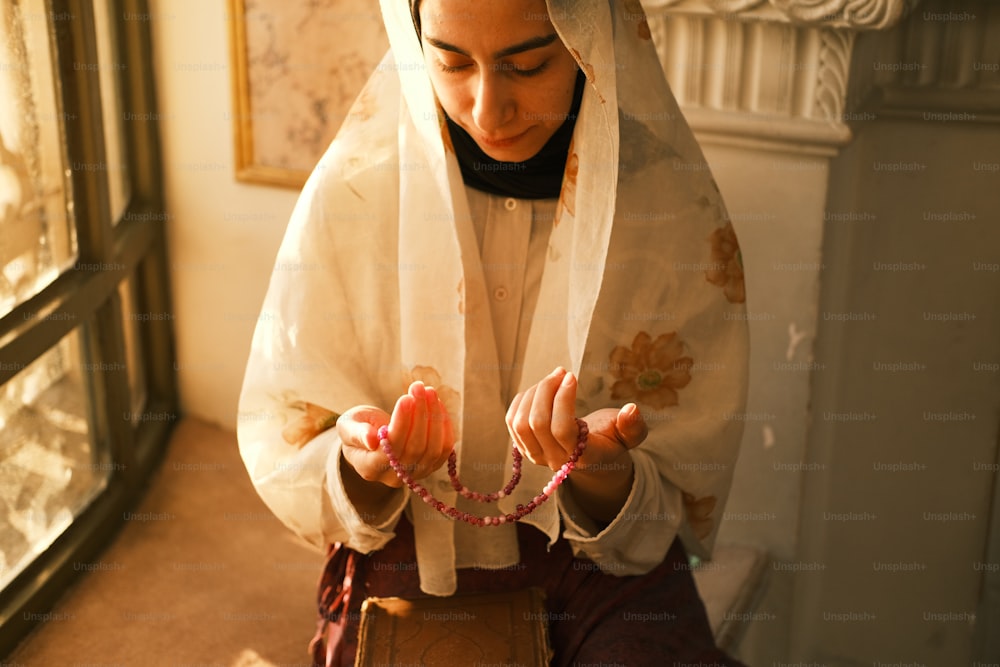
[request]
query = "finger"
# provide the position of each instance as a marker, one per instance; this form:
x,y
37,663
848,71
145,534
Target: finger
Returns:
x,y
520,428
400,422
416,440
358,427
631,427
435,432
512,412
540,418
564,427
448,437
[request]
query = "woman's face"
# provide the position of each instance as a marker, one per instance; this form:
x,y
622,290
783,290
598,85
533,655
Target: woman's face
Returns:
x,y
500,72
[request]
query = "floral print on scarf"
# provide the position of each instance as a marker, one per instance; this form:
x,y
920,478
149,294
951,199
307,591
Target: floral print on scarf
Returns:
x,y
313,421
699,513
431,378
651,371
635,12
567,197
727,264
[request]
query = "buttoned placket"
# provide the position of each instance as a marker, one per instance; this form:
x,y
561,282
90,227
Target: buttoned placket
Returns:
x,y
504,252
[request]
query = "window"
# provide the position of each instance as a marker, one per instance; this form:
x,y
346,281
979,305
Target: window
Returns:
x,y
87,394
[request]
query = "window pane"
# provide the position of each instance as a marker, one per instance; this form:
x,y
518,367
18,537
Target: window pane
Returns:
x,y
50,469
37,239
109,67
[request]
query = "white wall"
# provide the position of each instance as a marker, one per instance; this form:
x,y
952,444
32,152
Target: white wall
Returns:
x,y
900,512
223,235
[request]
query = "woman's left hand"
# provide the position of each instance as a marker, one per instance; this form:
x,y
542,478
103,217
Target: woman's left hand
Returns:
x,y
542,423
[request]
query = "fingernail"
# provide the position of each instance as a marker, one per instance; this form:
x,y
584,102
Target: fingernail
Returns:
x,y
567,379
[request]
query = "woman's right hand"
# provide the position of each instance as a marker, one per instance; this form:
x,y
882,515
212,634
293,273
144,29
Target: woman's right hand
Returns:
x,y
419,429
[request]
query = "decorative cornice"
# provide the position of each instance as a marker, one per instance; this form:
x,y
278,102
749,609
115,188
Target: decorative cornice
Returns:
x,y
770,83
940,64
850,14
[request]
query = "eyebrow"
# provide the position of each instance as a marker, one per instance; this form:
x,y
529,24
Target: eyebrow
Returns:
x,y
527,45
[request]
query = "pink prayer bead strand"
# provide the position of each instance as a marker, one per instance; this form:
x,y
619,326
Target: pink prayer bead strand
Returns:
x,y
459,515
485,497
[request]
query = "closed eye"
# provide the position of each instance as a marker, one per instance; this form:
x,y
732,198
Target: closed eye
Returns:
x,y
532,72
451,69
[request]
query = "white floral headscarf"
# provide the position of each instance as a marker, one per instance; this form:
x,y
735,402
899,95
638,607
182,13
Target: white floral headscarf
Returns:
x,y
377,282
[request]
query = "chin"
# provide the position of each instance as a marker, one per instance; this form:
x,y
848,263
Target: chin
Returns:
x,y
516,153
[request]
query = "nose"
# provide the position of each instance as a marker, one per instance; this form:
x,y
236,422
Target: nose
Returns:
x,y
494,105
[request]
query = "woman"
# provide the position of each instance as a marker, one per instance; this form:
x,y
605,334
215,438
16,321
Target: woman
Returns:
x,y
515,191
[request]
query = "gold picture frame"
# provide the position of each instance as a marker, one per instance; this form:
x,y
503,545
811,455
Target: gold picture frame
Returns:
x,y
297,67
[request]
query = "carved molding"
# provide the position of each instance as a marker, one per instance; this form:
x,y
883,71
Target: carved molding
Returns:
x,y
832,74
737,65
769,81
851,14
940,64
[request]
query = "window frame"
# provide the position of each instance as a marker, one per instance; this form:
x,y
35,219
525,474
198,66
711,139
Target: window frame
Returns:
x,y
134,248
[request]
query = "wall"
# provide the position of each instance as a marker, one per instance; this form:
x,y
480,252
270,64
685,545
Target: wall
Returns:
x,y
906,427
223,235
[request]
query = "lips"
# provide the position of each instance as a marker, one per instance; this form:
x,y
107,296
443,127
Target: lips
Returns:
x,y
502,143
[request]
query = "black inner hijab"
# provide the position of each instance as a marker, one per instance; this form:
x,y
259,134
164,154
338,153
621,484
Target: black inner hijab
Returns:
x,y
538,177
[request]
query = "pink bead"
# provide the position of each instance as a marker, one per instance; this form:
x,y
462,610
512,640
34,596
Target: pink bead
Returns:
x,y
453,512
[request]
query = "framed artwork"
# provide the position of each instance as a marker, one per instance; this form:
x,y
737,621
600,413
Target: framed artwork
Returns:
x,y
297,67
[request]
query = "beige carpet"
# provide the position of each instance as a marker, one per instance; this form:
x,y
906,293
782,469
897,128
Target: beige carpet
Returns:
x,y
205,577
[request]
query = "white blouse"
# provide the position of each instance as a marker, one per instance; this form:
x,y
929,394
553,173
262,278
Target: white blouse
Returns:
x,y
513,239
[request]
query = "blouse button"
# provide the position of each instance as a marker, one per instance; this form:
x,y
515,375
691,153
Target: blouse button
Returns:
x,y
500,293
510,204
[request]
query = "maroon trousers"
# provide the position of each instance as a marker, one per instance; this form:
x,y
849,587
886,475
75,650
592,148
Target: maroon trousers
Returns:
x,y
656,619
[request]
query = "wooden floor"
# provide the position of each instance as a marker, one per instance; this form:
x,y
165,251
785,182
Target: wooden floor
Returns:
x,y
204,576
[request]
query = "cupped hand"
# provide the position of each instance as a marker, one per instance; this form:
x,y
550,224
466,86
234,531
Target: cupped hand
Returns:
x,y
542,423
419,429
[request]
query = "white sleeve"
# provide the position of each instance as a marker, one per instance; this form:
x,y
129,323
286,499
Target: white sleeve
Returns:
x,y
305,491
317,342
636,540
